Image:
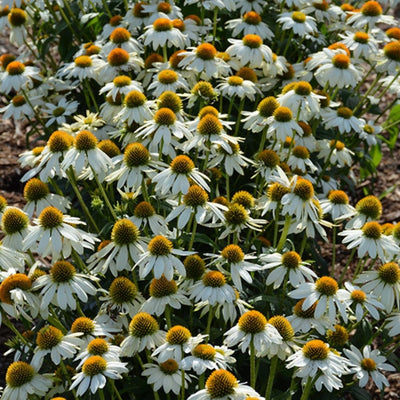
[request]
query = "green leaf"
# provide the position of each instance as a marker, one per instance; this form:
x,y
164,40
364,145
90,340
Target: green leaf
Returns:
x,y
376,154
359,393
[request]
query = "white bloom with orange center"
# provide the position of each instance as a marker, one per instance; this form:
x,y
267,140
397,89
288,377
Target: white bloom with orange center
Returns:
x,y
250,23
361,44
83,67
202,358
300,23
337,205
120,86
393,324
168,80
98,347
281,125
335,152
17,76
121,38
57,113
136,108
344,120
19,108
237,86
370,14
367,364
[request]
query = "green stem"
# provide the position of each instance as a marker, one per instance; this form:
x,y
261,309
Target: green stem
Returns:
x,y
333,250
10,325
385,109
361,102
239,117
347,265
285,231
307,389
276,225
201,381
194,227
252,363
104,194
303,245
101,394
91,94
271,377
209,320
183,384
288,43
165,53
215,19
168,316
114,389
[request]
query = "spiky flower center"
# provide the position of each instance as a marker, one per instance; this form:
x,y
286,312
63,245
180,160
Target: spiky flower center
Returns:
x,y
109,147
170,100
51,218
144,210
84,325
120,35
235,81
236,214
269,158
392,51
204,89
291,260
162,287
134,99
122,290
252,18
303,88
344,112
358,296
327,286
19,373
323,6
368,364
267,106
124,232
243,198
276,191
136,155
372,230
283,326
221,383
283,114
301,152
167,77
165,116
182,165
299,17
121,81
209,124
370,206
232,254
169,367
316,350
178,335
179,24
341,61
252,41
361,37
389,273
194,266
393,33
214,279
206,51
94,365
18,101
252,322
196,196
118,57
338,197
338,337
15,68
143,324
153,58
59,141
16,281
304,189
308,313
14,220
204,352
62,271
85,141
160,246
17,17
371,9
83,62
97,347
49,337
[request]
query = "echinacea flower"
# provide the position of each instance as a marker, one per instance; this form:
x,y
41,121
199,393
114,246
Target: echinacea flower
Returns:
x,y
90,329
367,364
98,347
337,205
370,14
300,23
57,113
136,108
250,23
145,215
23,380
257,120
95,371
17,76
203,357
15,225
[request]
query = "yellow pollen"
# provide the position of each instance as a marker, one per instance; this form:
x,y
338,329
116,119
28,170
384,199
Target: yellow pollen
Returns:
x,y
252,322
19,373
182,165
252,18
204,89
206,51
15,68
51,217
164,7
122,80
308,313
368,364
371,9
109,147
134,99
393,33
138,10
232,254
209,124
85,141
301,152
83,62
144,210
372,230
247,74
299,17
176,58
122,290
179,24
151,59
283,114
389,273
162,287
97,347
316,350
361,37
5,59
221,383
392,51
165,116
35,190
326,286
194,266
18,100
337,144
243,198
304,189
252,41
196,196
235,81
302,88
170,100
4,11
269,158
118,57
160,246
283,326
120,35
291,260
16,281
94,365
167,77
115,20
59,141
338,45
341,61
17,17
208,110
48,337
214,279
344,112
83,324
178,335
162,25
136,155
276,191
143,324
387,229
323,6
194,18
338,197
236,214
204,352
358,296
370,206
338,337
62,271
124,232
290,86
169,367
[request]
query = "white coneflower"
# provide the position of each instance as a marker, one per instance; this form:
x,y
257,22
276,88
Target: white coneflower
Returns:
x,y
250,23
15,225
57,113
300,23
120,86
281,124
256,121
136,109
237,86
370,14
168,79
145,215
368,209
121,38
98,347
17,76
361,44
337,205
202,358
17,19
335,152
18,108
83,67
162,9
